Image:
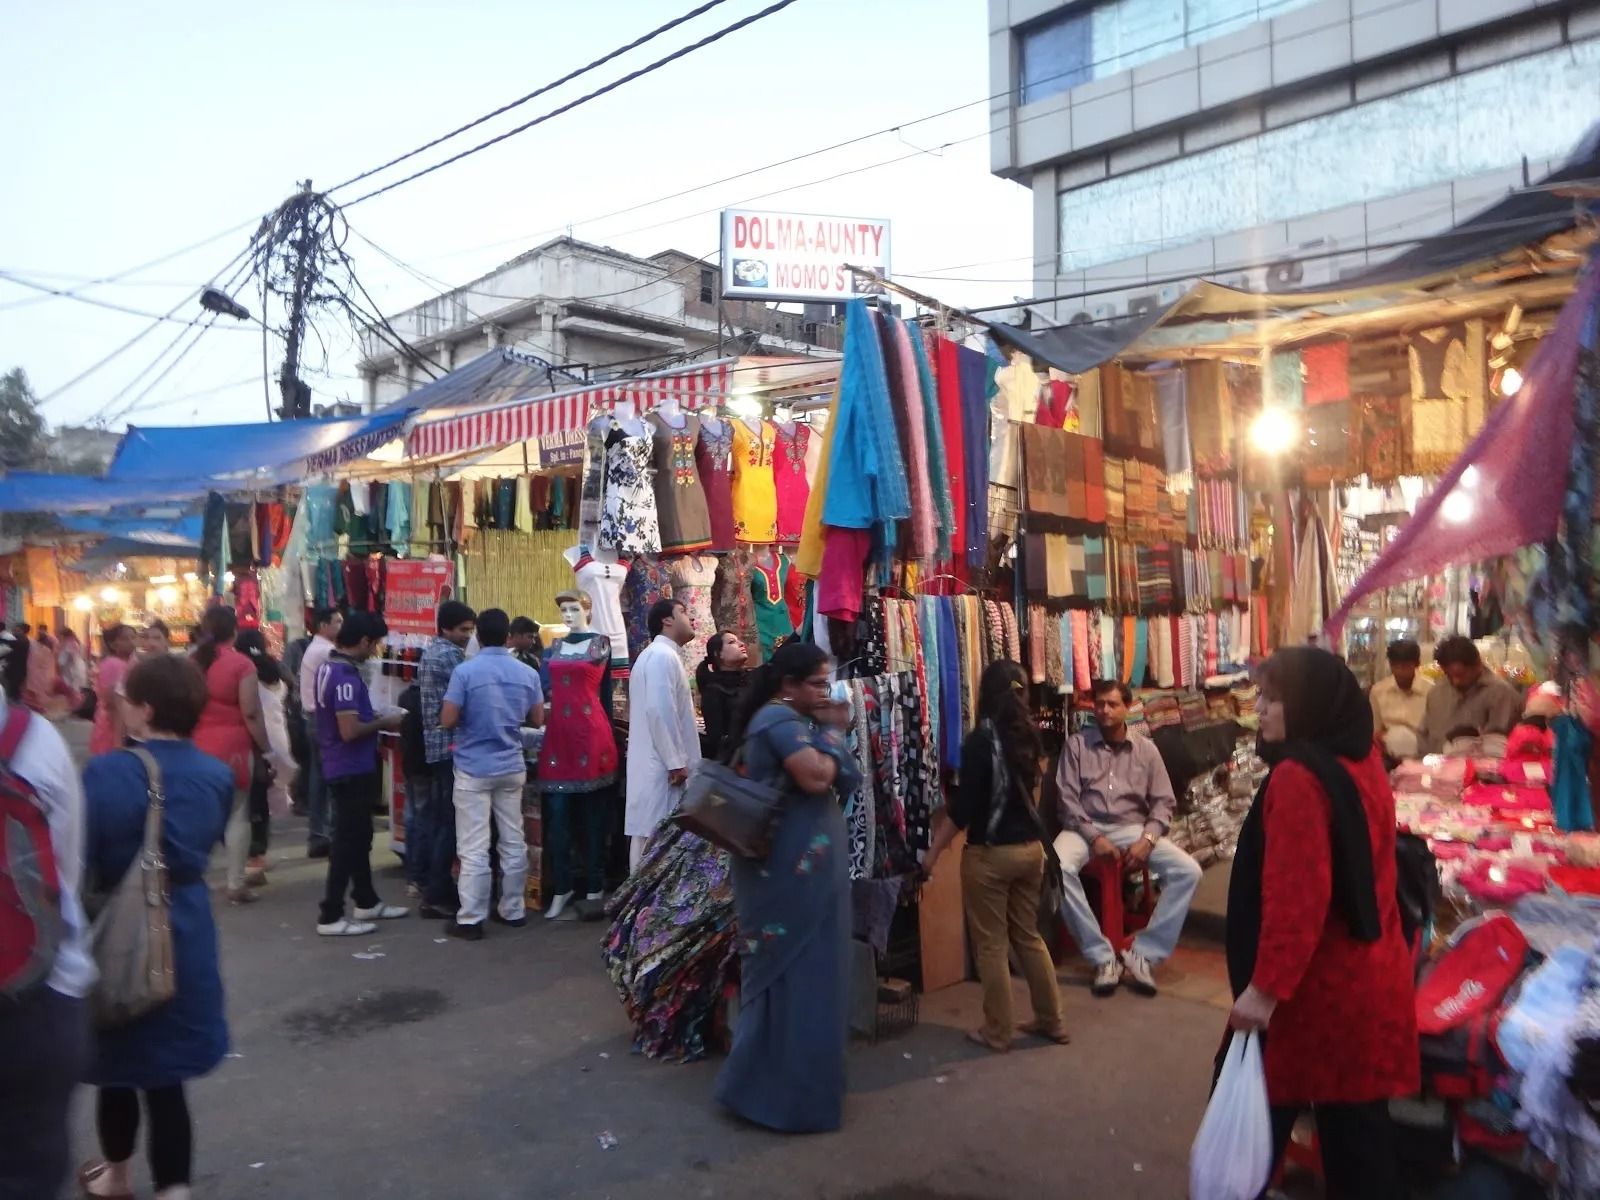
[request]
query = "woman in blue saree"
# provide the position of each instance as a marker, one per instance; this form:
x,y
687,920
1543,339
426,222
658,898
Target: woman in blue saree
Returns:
x,y
786,1068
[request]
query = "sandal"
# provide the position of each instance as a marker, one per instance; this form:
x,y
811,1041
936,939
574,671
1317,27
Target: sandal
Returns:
x,y
978,1038
91,1171
1058,1035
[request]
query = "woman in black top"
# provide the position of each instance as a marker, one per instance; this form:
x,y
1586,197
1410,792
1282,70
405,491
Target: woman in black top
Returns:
x,y
1003,865
722,680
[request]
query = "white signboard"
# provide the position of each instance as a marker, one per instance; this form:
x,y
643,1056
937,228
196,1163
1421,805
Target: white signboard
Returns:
x,y
800,256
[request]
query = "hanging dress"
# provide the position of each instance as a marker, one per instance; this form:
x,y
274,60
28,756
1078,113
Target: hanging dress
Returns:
x,y
773,621
681,509
603,583
580,749
789,477
755,495
714,457
646,582
692,577
628,512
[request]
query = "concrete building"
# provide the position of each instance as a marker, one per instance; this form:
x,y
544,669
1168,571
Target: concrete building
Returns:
x,y
591,312
1271,142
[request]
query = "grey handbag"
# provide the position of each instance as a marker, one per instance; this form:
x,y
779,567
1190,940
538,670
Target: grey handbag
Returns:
x,y
132,932
730,810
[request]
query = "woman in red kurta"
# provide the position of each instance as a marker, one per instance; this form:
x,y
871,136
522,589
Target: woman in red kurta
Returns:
x,y
1315,951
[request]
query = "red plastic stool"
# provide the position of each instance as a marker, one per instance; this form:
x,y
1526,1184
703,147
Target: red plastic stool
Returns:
x,y
1117,921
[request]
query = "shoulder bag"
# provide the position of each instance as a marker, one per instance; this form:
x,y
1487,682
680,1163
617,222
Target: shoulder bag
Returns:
x,y
132,932
729,809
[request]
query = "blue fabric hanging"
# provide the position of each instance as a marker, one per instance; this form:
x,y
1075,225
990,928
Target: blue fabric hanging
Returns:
x,y
1569,792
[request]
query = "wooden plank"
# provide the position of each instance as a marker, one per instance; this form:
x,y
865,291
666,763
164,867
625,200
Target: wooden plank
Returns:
x,y
942,927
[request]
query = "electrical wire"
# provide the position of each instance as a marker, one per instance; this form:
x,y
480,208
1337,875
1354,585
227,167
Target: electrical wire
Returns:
x,y
742,23
69,295
537,92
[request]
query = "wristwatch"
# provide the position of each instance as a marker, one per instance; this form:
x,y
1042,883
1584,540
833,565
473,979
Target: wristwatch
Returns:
x,y
1147,836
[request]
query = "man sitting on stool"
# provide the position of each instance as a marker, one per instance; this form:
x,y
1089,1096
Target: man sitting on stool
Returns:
x,y
1117,803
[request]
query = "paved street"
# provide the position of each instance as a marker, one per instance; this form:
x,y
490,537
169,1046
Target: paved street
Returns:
x,y
443,1068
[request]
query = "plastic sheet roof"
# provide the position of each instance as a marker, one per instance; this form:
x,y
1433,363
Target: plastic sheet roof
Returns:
x,y
220,457
30,491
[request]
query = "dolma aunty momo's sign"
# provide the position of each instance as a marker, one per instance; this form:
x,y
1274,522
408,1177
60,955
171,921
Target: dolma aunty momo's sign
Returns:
x,y
801,256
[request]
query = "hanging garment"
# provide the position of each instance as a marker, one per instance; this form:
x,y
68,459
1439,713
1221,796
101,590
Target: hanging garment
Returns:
x,y
603,582
1044,456
1313,594
1162,659
692,576
731,603
795,589
755,496
1327,372
975,431
1038,647
1082,662
808,555
867,482
579,753
1330,451
714,459
1058,566
1211,418
1285,382
647,581
914,443
682,513
522,507
773,622
933,436
792,439
628,521
591,502
841,584
947,361
1382,443
1140,667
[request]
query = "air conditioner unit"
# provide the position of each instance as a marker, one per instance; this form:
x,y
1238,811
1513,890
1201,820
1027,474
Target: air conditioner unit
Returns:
x,y
1170,293
1104,312
1144,303
1081,317
1285,273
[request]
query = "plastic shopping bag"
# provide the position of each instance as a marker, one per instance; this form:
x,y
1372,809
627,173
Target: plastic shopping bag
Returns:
x,y
1232,1154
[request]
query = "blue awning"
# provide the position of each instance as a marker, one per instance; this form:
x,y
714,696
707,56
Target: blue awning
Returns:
x,y
151,528
223,457
31,491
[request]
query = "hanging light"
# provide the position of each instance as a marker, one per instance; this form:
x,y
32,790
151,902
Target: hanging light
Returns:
x,y
1508,382
83,604
1274,430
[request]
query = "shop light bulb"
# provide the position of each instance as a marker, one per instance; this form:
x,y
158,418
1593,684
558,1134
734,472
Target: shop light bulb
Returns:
x,y
744,406
167,596
109,595
1457,507
83,604
1470,477
1510,381
1273,431
190,577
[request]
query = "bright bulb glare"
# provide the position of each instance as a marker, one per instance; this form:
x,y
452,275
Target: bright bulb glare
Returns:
x,y
744,406
1273,431
109,595
1510,381
1457,507
167,596
1469,477
83,604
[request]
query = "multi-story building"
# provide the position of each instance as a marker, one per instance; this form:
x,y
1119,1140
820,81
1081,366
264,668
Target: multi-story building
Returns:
x,y
1271,143
591,312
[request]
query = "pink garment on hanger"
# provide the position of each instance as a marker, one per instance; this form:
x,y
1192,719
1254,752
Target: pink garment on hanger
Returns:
x,y
924,541
839,587
1213,648
1082,669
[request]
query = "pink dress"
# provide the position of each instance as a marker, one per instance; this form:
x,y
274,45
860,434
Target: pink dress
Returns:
x,y
107,733
789,476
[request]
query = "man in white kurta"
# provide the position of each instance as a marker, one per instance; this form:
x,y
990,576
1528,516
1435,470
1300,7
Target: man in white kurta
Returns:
x,y
663,742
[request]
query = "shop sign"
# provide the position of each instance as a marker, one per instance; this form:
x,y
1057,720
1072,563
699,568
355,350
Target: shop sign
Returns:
x,y
564,448
800,256
413,591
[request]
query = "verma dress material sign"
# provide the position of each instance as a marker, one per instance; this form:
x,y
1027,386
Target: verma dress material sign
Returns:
x,y
414,589
799,256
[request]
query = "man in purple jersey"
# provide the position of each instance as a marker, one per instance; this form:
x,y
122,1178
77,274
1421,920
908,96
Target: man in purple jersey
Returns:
x,y
347,733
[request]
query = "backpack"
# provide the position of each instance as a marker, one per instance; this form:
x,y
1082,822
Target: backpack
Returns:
x,y
1417,888
1461,1000
31,924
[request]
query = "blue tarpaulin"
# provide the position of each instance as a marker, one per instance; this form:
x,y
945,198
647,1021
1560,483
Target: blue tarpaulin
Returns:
x,y
239,456
29,491
157,528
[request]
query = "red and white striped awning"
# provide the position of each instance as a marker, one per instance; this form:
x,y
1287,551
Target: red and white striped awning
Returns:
x,y
562,415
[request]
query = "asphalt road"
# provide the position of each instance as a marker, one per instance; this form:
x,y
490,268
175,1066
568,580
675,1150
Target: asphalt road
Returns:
x,y
405,1065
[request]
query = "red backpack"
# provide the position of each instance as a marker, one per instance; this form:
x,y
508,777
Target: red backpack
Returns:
x,y
31,924
1460,1001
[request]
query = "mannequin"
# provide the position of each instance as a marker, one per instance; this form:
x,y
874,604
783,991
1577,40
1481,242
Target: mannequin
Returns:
x,y
714,457
628,502
791,440
600,575
681,512
755,495
579,755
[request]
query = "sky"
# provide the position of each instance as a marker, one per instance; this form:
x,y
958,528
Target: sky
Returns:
x,y
148,127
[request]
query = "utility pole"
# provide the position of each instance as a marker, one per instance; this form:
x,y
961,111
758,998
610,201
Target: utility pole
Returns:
x,y
295,394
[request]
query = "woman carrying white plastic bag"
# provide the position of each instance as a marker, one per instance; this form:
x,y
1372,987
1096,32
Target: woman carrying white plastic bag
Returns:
x,y
1233,1152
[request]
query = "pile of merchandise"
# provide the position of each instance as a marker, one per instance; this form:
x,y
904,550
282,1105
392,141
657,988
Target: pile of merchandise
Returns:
x,y
671,950
1213,806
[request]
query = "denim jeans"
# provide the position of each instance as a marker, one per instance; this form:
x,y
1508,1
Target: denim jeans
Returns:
x,y
418,846
1179,873
316,787
438,836
480,801
589,813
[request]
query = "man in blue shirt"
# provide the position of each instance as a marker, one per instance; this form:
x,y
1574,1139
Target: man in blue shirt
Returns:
x,y
489,699
436,816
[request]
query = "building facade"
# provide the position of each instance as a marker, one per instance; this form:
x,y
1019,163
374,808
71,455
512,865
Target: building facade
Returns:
x,y
591,312
1271,143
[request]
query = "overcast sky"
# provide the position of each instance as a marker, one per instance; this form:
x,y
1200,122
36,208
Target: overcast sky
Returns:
x,y
136,129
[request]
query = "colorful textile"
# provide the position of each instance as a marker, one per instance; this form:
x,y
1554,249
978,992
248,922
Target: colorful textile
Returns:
x,y
647,581
915,435
867,479
1327,372
975,431
714,462
681,509
628,510
951,421
1044,453
1172,409
933,435
1285,383
755,491
1330,451
1211,417
773,621
1094,559
789,477
1382,441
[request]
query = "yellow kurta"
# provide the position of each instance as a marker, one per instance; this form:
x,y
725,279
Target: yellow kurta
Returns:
x,y
755,492
808,557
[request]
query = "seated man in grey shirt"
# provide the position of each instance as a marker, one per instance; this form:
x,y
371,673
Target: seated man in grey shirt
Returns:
x,y
1117,803
1472,696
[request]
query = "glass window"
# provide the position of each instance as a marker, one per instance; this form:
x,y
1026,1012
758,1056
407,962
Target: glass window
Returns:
x,y
1447,130
707,278
1055,56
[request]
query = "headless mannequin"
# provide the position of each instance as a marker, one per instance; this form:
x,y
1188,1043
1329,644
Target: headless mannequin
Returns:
x,y
627,417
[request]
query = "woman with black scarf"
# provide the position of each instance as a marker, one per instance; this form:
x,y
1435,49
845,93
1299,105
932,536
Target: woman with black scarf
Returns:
x,y
1316,956
722,680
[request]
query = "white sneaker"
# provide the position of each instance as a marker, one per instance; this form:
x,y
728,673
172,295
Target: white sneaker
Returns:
x,y
382,912
558,905
593,896
344,927
1138,973
1106,978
